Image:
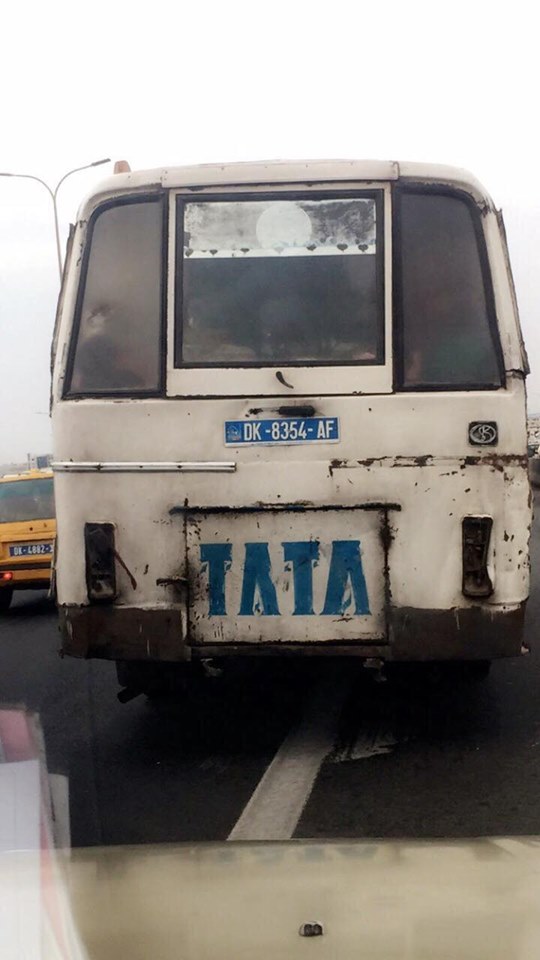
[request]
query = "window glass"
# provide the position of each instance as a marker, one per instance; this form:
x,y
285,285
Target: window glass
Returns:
x,y
26,500
447,339
277,281
119,334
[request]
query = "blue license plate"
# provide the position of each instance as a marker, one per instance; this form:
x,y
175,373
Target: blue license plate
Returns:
x,y
31,550
285,430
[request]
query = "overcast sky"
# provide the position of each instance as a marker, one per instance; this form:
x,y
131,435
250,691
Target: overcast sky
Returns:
x,y
454,83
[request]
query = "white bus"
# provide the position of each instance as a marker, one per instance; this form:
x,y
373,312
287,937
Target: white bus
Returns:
x,y
289,418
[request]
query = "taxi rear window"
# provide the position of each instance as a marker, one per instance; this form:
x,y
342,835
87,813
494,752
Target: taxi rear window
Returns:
x,y
22,500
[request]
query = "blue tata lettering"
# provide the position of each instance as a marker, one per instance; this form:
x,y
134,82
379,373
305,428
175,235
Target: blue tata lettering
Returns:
x,y
345,587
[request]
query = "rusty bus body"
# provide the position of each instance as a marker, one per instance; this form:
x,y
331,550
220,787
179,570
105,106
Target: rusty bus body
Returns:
x,y
289,417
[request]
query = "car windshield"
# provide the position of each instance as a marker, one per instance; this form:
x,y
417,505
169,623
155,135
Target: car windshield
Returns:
x,y
22,500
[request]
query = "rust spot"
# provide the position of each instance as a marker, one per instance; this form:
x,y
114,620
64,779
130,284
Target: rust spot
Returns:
x,y
335,465
298,506
122,633
172,581
498,461
458,634
132,579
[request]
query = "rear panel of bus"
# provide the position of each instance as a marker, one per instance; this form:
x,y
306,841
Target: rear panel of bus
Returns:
x,y
291,419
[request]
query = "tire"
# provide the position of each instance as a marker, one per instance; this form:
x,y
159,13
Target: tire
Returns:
x,y
6,596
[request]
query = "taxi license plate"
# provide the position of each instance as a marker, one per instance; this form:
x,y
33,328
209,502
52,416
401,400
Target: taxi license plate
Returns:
x,y
31,550
285,430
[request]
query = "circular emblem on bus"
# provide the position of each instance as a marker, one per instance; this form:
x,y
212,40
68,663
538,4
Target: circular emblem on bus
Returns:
x,y
483,433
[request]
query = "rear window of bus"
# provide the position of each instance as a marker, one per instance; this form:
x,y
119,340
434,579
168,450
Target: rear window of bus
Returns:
x,y
22,500
280,280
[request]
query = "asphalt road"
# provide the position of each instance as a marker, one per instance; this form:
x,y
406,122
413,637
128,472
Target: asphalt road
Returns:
x,y
411,757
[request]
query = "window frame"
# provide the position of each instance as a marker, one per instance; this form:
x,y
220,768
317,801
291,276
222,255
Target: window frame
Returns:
x,y
440,190
182,201
160,198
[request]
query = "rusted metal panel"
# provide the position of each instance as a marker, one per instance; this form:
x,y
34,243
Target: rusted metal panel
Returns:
x,y
122,633
474,633
425,533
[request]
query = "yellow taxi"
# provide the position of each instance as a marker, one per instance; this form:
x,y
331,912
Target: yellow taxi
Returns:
x,y
27,532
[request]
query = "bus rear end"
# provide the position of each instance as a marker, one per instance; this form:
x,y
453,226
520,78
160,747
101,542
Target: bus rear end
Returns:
x,y
289,418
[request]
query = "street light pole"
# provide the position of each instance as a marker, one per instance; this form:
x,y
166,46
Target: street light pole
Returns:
x,y
53,193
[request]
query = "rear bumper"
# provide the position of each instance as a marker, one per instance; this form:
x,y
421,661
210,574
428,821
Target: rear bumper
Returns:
x,y
27,576
129,633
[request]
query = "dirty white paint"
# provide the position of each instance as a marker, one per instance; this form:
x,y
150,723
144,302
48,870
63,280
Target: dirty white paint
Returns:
x,y
406,449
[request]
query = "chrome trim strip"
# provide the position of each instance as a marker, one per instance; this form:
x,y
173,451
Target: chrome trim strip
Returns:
x,y
109,466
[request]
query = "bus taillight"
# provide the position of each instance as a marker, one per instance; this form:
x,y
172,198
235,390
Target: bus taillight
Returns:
x,y
476,535
100,562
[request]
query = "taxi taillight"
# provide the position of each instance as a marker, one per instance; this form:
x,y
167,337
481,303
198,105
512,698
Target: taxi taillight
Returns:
x,y
6,575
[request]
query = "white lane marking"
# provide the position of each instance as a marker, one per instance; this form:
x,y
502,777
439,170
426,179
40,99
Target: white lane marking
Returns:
x,y
276,806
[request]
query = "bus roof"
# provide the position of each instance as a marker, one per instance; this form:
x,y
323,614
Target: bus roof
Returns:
x,y
26,475
298,173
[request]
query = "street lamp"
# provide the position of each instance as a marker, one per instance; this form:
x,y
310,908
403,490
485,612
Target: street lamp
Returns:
x,y
53,195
